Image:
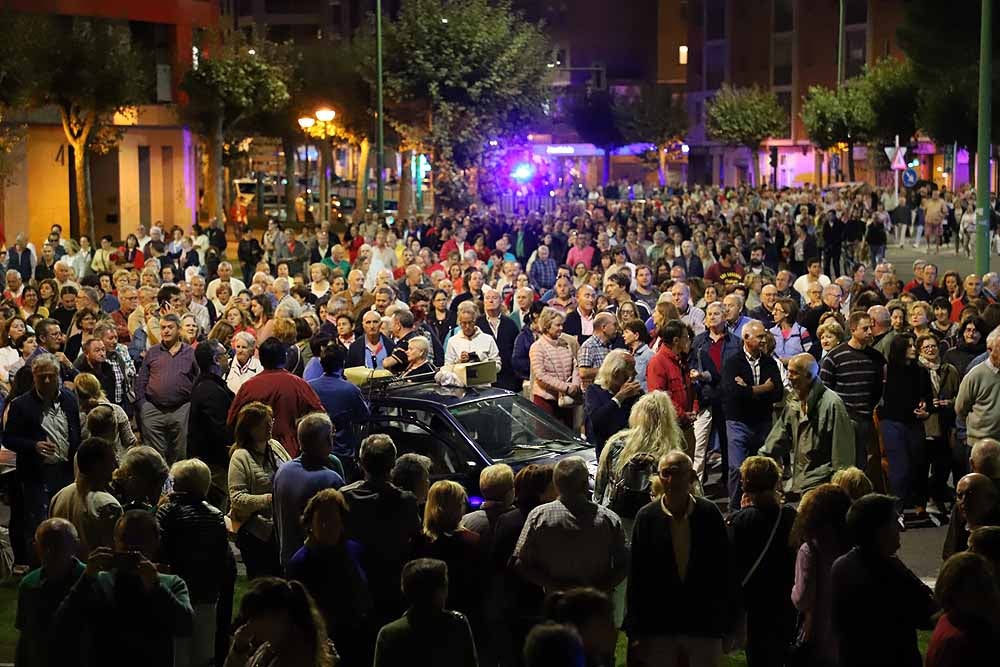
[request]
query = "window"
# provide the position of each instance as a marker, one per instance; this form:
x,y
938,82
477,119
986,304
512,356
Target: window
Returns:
x,y
856,12
781,60
783,15
715,66
854,51
715,19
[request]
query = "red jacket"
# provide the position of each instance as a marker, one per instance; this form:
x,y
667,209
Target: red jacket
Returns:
x,y
665,371
288,395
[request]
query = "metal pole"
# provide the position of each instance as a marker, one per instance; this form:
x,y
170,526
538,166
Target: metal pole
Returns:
x,y
983,148
840,44
308,186
896,172
380,135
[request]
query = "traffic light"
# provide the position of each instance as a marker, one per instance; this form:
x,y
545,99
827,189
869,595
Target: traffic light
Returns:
x,y
774,157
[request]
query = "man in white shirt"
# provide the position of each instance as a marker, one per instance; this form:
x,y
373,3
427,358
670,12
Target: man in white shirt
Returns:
x,y
470,343
814,273
225,276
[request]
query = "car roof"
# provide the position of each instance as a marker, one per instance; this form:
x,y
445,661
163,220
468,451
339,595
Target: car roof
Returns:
x,y
435,393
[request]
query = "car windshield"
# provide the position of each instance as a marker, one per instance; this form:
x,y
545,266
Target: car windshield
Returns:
x,y
510,428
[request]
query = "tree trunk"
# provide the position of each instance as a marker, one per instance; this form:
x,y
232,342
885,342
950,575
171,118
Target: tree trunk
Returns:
x,y
606,168
850,160
84,201
752,171
406,204
362,183
214,206
290,150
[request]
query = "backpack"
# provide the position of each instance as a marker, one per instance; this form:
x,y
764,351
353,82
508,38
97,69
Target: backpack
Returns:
x,y
630,490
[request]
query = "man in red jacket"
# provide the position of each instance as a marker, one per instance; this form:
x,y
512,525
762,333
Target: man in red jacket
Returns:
x,y
288,395
667,370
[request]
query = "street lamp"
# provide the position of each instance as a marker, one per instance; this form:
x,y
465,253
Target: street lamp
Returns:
x,y
320,126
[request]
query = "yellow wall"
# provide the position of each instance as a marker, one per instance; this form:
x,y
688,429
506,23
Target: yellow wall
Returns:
x,y
39,196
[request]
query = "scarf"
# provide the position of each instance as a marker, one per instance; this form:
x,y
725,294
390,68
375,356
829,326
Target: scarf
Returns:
x,y
934,368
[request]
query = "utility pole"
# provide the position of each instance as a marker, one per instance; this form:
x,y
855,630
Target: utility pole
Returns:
x,y
379,129
983,177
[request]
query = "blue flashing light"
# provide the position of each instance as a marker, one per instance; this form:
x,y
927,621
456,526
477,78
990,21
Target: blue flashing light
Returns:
x,y
523,172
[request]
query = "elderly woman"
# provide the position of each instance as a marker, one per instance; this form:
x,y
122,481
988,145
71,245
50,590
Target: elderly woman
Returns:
x,y
245,362
418,364
139,479
608,402
831,334
556,383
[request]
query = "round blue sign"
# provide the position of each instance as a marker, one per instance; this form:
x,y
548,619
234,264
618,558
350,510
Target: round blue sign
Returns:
x,y
910,177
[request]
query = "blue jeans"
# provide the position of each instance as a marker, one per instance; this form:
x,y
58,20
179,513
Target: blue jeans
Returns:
x,y
903,445
744,440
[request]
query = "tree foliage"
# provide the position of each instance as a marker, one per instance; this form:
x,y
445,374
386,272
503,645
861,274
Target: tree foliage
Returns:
x,y
656,115
835,116
228,87
891,91
744,117
941,40
87,69
458,72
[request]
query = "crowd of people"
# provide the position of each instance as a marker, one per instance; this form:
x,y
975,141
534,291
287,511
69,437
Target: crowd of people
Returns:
x,y
769,400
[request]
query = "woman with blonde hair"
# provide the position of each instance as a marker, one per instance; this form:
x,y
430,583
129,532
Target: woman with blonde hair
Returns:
x,y
254,458
461,549
652,432
91,395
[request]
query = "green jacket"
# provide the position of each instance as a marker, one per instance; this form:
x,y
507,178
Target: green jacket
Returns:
x,y
832,446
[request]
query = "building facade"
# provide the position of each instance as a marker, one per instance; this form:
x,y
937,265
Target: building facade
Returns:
x,y
151,177
726,41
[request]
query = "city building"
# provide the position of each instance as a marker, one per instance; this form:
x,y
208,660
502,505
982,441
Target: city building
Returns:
x,y
725,40
151,176
301,20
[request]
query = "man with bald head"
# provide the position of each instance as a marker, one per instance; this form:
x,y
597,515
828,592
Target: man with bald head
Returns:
x,y
751,385
814,429
41,592
763,312
357,298
984,463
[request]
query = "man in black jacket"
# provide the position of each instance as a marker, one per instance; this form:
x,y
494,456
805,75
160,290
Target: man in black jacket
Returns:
x,y
208,435
503,330
751,385
94,360
666,535
43,429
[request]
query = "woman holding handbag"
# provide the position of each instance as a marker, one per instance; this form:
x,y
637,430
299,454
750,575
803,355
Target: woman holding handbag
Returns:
x,y
253,460
556,387
760,533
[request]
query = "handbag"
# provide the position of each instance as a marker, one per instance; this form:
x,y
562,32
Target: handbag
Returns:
x,y
739,639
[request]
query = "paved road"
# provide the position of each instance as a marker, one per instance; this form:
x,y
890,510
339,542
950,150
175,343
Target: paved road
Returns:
x,y
946,259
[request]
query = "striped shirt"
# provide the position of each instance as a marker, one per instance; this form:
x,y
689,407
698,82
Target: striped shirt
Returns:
x,y
856,376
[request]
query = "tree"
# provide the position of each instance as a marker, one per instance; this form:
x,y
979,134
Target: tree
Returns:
x,y
838,116
745,117
891,90
941,39
593,116
457,73
224,90
88,70
657,115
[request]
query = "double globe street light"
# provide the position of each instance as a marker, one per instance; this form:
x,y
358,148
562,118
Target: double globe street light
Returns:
x,y
320,126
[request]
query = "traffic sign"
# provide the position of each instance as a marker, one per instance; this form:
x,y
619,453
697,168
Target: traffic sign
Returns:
x,y
909,177
890,152
898,161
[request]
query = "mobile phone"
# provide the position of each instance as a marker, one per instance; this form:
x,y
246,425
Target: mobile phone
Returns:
x,y
127,560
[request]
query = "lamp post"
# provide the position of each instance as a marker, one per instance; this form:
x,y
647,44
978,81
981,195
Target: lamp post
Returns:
x,y
306,122
379,132
984,177
320,125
